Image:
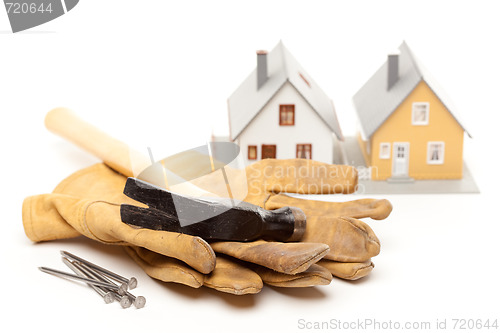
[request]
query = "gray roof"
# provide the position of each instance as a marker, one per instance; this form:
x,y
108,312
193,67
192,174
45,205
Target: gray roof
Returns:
x,y
374,103
247,101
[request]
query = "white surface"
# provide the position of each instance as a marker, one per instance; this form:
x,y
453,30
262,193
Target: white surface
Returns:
x,y
308,128
151,70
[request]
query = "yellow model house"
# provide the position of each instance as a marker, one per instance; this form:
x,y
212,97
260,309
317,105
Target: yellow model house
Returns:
x,y
408,127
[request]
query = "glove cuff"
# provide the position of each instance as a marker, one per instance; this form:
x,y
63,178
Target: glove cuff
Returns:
x,y
43,222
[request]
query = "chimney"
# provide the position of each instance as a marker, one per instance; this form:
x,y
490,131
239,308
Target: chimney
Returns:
x,y
392,70
261,68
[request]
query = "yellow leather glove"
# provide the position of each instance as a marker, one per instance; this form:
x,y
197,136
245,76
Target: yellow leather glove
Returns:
x,y
88,203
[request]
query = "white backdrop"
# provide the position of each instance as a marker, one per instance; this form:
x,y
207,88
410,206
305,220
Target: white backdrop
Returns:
x,y
161,71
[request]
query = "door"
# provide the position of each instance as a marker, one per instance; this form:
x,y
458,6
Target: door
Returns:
x,y
400,159
268,151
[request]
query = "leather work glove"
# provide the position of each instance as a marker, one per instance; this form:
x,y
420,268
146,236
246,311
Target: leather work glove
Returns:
x,y
88,203
352,242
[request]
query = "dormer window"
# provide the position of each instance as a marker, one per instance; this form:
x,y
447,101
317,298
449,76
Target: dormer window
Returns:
x,y
420,113
287,114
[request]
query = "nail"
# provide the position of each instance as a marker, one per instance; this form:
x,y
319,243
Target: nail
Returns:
x,y
124,300
131,283
106,295
47,270
138,301
97,276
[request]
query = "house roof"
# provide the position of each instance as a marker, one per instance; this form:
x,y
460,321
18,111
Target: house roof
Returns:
x,y
247,101
374,103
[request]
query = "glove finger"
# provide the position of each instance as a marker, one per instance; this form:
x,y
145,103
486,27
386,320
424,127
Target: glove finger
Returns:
x,y
288,258
300,176
348,270
165,268
377,209
101,221
231,277
350,240
313,276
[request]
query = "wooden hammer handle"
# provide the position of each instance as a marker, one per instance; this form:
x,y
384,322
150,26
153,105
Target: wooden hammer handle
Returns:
x,y
113,152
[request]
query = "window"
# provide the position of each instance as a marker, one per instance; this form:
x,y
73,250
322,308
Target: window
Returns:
x,y
420,113
287,114
268,151
400,152
304,150
385,150
252,152
435,152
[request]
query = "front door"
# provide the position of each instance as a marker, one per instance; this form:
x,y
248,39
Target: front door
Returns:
x,y
400,159
268,151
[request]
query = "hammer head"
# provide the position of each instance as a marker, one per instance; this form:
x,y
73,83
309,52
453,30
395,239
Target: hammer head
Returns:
x,y
212,220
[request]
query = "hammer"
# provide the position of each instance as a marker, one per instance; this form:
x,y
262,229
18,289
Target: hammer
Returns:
x,y
211,219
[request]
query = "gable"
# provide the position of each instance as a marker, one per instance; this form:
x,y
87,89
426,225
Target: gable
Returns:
x,y
247,100
308,128
375,103
399,126
306,118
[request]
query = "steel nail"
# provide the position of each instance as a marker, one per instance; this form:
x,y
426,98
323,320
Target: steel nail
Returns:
x,y
124,300
138,301
55,272
106,295
131,283
97,276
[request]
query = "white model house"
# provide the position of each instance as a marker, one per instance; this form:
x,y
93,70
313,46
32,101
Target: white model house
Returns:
x,y
280,112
